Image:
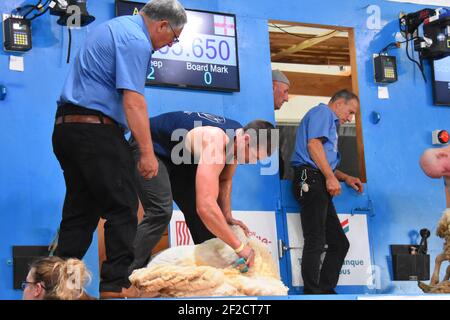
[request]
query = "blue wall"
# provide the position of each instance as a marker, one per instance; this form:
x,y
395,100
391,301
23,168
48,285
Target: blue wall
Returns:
x,y
32,186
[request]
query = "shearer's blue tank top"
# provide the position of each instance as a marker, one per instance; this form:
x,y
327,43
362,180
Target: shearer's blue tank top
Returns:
x,y
164,125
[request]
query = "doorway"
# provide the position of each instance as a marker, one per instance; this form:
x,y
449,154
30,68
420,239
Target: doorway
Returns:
x,y
319,61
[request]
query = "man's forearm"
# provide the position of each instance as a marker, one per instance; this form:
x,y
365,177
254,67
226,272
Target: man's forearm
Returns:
x,y
340,175
139,124
317,154
215,221
224,199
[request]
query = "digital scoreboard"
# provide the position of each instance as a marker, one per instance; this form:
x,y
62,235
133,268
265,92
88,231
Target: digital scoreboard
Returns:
x,y
441,84
205,58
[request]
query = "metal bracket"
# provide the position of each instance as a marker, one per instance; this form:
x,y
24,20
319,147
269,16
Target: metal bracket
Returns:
x,y
282,248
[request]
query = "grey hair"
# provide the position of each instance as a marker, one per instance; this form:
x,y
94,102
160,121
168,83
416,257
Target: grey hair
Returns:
x,y
344,94
170,10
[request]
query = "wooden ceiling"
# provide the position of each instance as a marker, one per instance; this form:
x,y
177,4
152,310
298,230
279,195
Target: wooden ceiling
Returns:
x,y
311,45
330,51
326,48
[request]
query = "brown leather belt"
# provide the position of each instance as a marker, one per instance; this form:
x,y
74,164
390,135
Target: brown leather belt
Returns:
x,y
78,118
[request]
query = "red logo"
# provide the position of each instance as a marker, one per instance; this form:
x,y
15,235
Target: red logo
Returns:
x,y
182,237
345,225
260,238
223,25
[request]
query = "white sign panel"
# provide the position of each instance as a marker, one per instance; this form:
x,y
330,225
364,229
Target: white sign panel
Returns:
x,y
262,225
357,268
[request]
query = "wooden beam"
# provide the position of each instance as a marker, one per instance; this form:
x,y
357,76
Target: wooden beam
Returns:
x,y
355,89
306,44
161,245
311,61
325,60
447,196
312,84
303,24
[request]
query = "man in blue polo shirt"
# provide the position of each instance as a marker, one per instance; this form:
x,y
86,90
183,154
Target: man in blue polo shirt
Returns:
x,y
102,98
316,181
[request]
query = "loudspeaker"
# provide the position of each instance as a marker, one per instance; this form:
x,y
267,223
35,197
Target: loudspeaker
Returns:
x,y
407,266
23,256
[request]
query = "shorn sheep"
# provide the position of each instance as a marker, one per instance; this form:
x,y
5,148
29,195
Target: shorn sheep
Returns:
x,y
206,270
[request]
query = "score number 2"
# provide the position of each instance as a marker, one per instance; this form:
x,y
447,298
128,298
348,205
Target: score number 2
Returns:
x,y
151,75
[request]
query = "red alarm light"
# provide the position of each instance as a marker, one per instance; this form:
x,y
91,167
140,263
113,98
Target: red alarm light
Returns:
x,y
440,137
443,136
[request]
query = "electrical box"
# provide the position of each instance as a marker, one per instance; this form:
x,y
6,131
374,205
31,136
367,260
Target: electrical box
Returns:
x,y
385,68
408,265
16,34
437,29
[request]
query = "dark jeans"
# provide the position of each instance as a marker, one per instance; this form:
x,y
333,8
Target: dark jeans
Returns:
x,y
99,174
173,182
320,226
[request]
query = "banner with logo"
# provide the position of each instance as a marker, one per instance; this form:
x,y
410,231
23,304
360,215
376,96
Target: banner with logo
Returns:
x,y
262,225
357,268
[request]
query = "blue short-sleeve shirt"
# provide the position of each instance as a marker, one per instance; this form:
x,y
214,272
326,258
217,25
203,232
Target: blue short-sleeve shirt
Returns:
x,y
115,56
319,122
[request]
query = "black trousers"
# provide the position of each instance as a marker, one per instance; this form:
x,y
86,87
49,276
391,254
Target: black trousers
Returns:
x,y
321,226
172,183
99,175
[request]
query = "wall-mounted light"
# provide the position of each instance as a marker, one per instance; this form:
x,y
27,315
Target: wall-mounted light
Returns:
x,y
440,137
375,117
2,92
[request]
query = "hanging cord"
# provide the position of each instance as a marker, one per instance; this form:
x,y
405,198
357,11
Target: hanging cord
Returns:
x,y
404,30
39,7
420,66
18,10
70,44
296,35
394,45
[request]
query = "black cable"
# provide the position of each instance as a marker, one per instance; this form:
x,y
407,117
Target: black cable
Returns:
x,y
19,9
41,13
292,34
409,57
421,64
296,35
385,49
70,45
34,7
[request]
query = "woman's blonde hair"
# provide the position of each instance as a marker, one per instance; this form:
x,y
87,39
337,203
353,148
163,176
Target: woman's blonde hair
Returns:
x,y
62,279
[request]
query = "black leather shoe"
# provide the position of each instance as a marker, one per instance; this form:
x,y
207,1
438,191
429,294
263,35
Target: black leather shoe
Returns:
x,y
328,292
